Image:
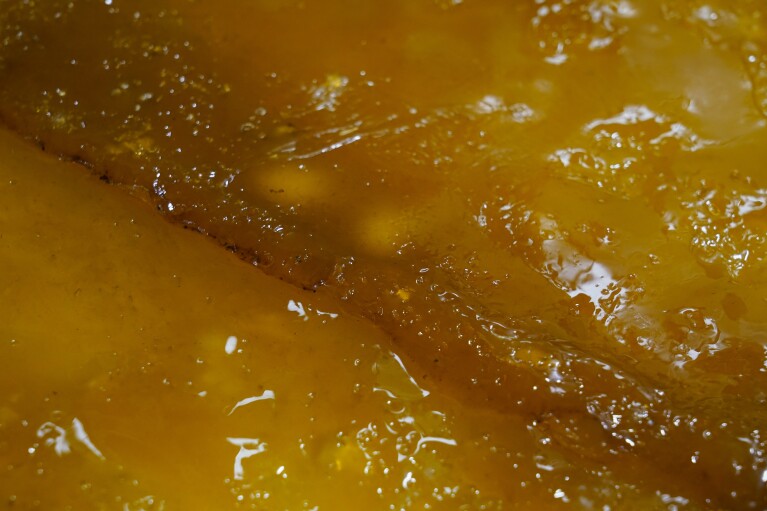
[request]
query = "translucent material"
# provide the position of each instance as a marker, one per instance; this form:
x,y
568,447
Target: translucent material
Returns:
x,y
553,214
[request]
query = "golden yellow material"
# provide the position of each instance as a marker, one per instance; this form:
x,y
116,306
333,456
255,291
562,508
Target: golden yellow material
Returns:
x,y
403,294
550,214
141,367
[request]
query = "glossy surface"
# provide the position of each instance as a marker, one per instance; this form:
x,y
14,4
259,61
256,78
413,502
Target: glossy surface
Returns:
x,y
555,211
131,380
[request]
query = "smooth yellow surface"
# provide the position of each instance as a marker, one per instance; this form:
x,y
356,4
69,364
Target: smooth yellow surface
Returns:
x,y
553,211
123,323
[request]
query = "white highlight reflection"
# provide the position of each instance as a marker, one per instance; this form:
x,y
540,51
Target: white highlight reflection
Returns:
x,y
267,394
576,274
83,437
298,308
249,447
55,436
433,439
231,345
396,381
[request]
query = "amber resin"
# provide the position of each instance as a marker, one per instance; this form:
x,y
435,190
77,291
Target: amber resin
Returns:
x,y
542,225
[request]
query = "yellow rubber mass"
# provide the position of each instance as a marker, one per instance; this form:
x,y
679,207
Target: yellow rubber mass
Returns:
x,y
484,254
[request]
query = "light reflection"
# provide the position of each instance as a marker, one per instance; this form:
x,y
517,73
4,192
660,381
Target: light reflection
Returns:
x,y
55,436
148,503
395,380
249,447
325,95
266,395
606,150
400,441
433,439
83,438
576,274
231,345
405,396
726,226
586,275
601,26
407,480
633,115
298,308
492,104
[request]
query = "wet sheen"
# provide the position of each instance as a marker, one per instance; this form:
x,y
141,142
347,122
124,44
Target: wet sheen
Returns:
x,y
553,211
